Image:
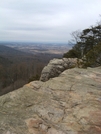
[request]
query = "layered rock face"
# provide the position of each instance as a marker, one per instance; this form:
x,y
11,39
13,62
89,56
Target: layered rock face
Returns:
x,y
68,104
57,66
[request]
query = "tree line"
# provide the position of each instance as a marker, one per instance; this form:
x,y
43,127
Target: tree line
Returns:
x,y
87,46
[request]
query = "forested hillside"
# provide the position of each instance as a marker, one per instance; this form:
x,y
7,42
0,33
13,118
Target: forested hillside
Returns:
x,y
87,46
18,68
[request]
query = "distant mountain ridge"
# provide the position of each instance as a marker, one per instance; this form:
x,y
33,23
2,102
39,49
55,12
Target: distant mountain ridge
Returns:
x,y
12,53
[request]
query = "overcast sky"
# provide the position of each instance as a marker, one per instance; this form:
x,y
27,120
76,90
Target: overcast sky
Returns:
x,y
46,20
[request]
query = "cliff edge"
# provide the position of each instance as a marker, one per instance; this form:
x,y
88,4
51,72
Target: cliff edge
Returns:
x,y
56,66
67,104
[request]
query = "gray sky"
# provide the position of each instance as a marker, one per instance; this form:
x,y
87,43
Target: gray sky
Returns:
x,y
46,20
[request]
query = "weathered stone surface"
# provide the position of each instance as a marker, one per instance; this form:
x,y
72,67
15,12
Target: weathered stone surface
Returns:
x,y
68,104
57,66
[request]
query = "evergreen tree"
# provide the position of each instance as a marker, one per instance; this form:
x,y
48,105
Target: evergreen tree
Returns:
x,y
88,44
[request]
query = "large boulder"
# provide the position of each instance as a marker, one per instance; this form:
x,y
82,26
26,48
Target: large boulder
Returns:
x,y
57,66
68,104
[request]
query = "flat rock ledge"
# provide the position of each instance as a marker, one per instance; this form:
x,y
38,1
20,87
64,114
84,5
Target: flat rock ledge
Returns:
x,y
68,104
56,66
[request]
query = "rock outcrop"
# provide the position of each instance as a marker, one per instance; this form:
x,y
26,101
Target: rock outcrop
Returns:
x,y
57,66
68,104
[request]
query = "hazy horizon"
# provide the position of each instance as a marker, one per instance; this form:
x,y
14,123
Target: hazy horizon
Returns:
x,y
32,42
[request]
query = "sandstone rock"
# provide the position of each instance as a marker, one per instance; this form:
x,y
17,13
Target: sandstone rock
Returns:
x,y
57,66
68,104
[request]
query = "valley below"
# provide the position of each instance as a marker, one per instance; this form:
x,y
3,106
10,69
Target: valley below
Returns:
x,y
21,63
40,48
